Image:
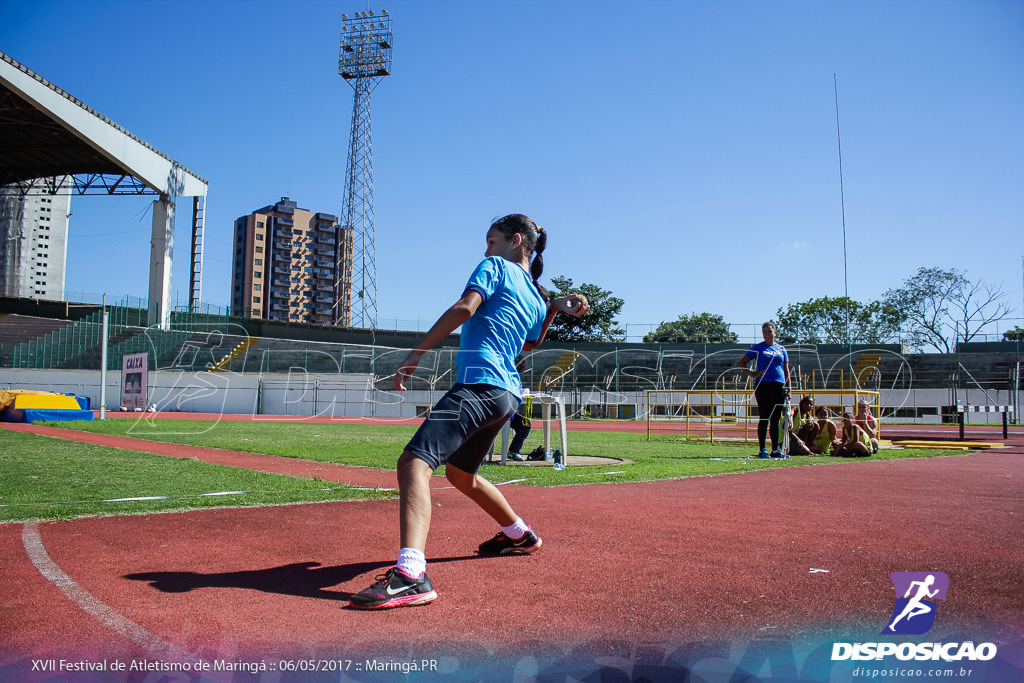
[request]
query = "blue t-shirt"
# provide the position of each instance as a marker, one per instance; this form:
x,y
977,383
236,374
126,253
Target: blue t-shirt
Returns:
x,y
511,313
770,359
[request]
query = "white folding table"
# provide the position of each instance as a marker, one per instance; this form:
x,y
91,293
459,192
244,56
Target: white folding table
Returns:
x,y
546,401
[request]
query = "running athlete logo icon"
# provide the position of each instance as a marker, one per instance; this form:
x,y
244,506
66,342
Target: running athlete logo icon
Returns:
x,y
914,612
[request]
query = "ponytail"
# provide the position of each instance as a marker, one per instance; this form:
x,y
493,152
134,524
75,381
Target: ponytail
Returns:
x,y
537,265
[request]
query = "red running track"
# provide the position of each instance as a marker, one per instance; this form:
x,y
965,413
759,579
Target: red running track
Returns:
x,y
624,569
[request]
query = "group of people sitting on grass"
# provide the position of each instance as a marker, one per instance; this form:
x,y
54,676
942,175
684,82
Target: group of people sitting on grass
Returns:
x,y
813,433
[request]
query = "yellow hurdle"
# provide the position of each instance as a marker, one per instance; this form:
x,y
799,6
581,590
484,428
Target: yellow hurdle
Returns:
x,y
968,445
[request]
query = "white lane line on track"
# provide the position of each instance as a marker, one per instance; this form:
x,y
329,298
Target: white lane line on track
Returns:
x,y
97,610
143,499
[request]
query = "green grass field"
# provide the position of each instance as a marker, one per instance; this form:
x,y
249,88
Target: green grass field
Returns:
x,y
42,478
46,478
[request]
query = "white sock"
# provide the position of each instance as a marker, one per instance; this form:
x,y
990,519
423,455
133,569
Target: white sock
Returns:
x,y
517,530
412,562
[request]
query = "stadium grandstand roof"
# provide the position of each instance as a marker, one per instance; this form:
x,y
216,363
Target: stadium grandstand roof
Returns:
x,y
45,132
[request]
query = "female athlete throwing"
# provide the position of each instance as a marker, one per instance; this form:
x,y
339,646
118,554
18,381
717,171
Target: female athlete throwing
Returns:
x,y
503,311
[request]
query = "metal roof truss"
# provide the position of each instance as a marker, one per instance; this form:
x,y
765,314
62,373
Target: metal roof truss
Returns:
x,y
85,184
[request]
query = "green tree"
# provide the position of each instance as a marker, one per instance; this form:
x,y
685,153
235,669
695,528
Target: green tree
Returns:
x,y
1016,334
941,308
824,321
699,328
599,323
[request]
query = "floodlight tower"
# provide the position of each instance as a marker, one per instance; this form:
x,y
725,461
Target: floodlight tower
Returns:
x,y
364,60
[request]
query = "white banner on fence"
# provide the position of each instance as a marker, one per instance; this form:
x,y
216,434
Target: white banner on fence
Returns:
x,y
134,381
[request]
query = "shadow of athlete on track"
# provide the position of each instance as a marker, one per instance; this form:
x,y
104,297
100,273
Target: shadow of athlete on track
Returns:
x,y
302,579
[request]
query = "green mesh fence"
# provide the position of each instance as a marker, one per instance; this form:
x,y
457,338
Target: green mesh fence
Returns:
x,y
79,346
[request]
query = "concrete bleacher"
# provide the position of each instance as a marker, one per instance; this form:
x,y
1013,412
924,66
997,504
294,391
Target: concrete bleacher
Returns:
x,y
199,342
565,368
17,329
632,369
72,343
283,356
89,356
993,369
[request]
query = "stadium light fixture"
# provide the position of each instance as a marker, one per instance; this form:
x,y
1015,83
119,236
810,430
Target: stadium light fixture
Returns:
x,y
365,47
364,60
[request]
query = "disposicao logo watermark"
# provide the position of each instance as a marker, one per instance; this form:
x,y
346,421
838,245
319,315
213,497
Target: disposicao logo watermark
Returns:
x,y
914,612
917,600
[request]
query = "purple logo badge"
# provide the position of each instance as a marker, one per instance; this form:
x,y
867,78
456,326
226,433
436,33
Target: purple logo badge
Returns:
x,y
917,596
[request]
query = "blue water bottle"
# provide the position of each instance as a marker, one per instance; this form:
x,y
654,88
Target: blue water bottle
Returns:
x,y
559,461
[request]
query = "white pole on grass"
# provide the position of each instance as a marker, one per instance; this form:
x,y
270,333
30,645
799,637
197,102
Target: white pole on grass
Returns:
x,y
103,364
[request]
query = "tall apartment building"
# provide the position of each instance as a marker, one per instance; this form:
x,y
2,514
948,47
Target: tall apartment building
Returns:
x,y
285,262
33,243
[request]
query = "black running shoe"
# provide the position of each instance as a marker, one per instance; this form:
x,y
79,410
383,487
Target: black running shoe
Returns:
x,y
503,545
395,589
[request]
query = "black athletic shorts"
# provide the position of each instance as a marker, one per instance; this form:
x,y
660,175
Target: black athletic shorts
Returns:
x,y
459,430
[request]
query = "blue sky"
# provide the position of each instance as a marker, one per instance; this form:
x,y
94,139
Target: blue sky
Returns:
x,y
682,154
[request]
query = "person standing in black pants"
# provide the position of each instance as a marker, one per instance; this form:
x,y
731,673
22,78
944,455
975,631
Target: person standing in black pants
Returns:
x,y
772,387
521,427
